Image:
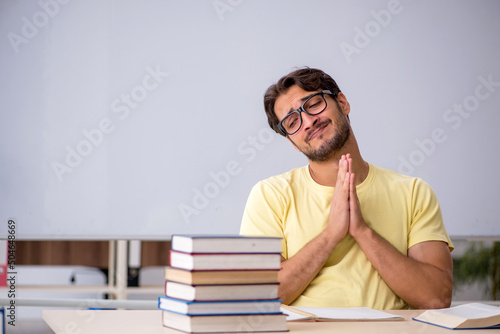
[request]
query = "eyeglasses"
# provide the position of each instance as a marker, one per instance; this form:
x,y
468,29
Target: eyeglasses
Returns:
x,y
314,105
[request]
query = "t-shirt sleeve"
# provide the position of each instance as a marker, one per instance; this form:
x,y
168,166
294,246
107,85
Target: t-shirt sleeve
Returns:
x,y
263,214
427,220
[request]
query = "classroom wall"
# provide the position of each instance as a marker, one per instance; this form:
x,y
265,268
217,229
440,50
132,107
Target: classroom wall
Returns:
x,y
144,118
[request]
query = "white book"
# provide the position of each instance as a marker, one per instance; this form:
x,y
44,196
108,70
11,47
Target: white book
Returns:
x,y
219,306
225,244
466,316
221,292
225,323
224,261
296,313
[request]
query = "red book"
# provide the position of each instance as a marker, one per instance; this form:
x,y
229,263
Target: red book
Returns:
x,y
3,262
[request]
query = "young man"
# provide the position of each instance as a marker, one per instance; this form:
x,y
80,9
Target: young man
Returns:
x,y
353,234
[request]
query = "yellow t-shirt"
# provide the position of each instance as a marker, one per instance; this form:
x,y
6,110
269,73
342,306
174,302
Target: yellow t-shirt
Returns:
x,y
402,209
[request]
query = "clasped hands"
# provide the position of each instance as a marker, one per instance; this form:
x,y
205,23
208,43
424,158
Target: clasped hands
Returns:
x,y
345,212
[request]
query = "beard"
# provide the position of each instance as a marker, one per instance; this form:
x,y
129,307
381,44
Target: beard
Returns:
x,y
332,146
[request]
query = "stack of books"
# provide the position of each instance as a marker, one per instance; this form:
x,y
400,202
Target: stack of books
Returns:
x,y
223,284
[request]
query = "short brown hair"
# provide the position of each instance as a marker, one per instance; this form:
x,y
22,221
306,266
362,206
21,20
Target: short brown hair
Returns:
x,y
309,79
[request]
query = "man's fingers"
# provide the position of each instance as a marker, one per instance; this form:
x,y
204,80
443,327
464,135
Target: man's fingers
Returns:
x,y
349,162
347,181
353,195
343,168
351,181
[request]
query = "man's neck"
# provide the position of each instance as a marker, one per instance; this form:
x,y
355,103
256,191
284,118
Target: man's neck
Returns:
x,y
325,173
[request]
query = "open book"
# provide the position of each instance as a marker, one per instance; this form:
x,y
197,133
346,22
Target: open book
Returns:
x,y
295,313
466,316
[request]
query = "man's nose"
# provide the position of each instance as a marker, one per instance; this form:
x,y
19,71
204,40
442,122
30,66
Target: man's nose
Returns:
x,y
309,121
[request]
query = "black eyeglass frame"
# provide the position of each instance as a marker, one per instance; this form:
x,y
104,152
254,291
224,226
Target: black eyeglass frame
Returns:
x,y
301,109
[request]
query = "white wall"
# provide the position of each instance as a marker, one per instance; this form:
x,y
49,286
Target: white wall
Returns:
x,y
162,103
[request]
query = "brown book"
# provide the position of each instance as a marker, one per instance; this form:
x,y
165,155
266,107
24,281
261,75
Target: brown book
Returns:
x,y
221,276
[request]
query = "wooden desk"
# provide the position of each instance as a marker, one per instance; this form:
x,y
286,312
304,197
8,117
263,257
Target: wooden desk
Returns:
x,y
149,322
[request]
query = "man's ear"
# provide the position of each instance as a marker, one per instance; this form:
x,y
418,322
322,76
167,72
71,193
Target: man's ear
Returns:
x,y
344,104
291,141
